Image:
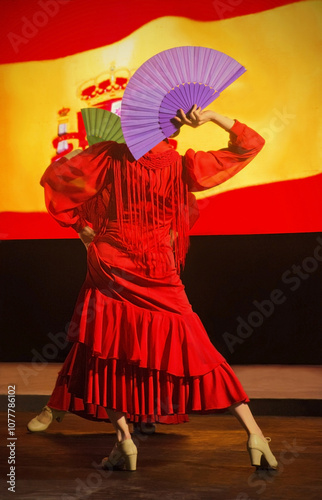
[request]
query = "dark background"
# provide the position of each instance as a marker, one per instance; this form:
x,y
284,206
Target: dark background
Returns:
x,y
224,275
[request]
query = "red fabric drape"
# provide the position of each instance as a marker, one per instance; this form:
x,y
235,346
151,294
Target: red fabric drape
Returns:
x,y
138,346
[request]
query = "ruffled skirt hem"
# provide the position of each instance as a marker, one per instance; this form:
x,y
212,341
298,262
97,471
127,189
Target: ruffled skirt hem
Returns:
x,y
88,385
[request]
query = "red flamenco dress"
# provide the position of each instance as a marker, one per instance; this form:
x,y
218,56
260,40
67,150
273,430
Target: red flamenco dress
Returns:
x,y
137,345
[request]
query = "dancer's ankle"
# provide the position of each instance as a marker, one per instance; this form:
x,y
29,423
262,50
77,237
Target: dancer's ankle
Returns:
x,y
122,436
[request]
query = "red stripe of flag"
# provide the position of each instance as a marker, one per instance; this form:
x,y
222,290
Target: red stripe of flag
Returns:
x,y
49,29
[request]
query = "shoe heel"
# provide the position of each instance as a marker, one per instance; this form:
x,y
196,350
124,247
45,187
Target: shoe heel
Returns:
x,y
255,456
130,462
130,453
257,447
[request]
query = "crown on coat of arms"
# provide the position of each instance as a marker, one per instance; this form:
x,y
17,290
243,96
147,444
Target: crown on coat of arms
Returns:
x,y
106,86
63,112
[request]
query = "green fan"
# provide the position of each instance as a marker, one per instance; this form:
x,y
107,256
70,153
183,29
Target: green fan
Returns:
x,y
102,125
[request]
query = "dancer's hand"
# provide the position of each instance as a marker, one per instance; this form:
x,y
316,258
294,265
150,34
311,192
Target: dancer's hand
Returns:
x,y
87,234
194,118
197,117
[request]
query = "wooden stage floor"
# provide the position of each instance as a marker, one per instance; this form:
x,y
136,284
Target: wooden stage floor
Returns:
x,y
204,459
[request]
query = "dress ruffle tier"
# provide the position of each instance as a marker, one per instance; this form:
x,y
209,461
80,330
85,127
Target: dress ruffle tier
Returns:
x,y
154,366
112,329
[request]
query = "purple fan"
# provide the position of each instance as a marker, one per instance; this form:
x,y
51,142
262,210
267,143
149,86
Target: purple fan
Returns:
x,y
173,79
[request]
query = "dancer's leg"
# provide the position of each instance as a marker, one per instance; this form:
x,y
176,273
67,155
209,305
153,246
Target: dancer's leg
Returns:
x,y
118,419
243,414
257,444
124,450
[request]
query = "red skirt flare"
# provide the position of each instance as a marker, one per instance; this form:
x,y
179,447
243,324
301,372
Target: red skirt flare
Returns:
x,y
138,347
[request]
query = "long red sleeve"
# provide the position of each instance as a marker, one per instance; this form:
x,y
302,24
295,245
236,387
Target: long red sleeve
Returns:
x,y
204,170
70,183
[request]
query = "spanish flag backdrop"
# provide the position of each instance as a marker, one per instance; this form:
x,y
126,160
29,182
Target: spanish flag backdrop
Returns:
x,y
58,56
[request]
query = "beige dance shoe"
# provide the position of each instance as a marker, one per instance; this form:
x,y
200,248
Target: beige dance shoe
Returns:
x,y
260,453
123,456
35,425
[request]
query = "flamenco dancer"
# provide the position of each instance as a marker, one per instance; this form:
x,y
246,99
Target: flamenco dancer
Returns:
x,y
139,353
